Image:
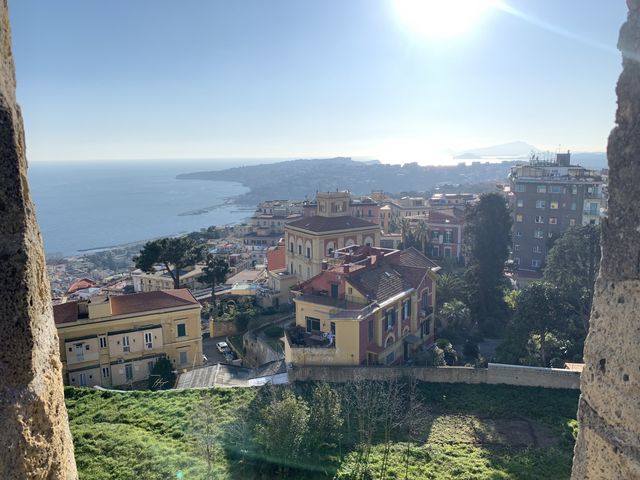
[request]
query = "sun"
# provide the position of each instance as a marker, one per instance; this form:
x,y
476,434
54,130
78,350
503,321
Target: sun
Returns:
x,y
439,19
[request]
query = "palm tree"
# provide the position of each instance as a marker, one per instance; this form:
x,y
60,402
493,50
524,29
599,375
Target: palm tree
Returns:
x,y
421,234
405,230
215,272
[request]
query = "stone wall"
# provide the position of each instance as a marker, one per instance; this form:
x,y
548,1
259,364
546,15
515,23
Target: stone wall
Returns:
x,y
495,374
608,445
222,329
257,352
35,442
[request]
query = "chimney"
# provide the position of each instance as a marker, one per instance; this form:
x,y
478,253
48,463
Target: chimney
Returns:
x,y
325,264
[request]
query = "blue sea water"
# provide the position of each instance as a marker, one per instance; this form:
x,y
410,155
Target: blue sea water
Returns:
x,y
87,205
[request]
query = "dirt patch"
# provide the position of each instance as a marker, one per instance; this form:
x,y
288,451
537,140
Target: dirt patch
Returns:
x,y
468,429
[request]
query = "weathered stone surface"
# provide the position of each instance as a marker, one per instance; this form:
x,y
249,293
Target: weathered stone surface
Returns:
x,y
608,445
35,442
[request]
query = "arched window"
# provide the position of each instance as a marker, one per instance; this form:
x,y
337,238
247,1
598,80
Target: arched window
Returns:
x,y
368,241
389,341
330,248
350,243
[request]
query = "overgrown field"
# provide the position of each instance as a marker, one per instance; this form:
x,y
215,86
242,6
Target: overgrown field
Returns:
x,y
357,431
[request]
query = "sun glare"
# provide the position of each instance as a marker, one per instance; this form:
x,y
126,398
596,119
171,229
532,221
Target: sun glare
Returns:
x,y
442,18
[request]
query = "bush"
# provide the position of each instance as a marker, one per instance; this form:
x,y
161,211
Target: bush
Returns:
x,y
162,376
442,343
557,362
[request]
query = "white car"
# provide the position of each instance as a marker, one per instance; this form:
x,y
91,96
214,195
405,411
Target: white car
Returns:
x,y
222,347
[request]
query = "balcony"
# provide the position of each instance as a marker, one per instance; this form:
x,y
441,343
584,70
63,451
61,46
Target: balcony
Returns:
x,y
298,337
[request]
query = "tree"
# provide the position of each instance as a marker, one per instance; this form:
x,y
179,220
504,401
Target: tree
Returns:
x,y
421,234
450,286
456,318
173,253
205,417
214,273
487,238
162,376
572,265
405,230
541,313
326,421
282,428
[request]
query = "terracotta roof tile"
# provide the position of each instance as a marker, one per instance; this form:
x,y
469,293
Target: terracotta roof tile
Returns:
x,y
142,302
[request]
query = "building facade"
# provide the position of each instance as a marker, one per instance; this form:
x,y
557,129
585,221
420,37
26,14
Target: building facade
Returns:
x,y
547,198
162,280
369,306
312,239
115,341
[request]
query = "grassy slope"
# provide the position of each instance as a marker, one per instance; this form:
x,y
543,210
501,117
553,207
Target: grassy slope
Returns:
x,y
474,434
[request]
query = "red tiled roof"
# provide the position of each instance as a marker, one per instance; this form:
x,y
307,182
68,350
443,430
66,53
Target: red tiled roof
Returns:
x,y
411,257
318,223
81,285
142,302
135,303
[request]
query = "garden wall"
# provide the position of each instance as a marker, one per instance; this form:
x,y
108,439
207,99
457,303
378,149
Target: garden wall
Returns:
x,y
493,375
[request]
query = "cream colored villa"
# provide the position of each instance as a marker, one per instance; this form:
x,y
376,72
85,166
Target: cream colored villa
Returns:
x,y
311,239
372,306
116,341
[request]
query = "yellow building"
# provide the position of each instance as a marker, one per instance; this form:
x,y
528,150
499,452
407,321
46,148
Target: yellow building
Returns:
x,y
112,341
162,280
372,306
312,239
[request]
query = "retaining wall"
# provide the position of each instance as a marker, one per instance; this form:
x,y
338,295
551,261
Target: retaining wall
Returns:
x,y
495,374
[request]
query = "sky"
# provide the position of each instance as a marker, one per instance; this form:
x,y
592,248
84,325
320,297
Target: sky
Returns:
x,y
393,80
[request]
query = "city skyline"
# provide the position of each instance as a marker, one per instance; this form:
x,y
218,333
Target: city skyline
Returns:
x,y
289,80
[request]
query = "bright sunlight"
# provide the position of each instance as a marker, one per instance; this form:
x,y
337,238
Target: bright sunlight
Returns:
x,y
442,18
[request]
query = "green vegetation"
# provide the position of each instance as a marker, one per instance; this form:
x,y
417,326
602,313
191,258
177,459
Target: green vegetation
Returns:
x,y
174,253
214,273
316,431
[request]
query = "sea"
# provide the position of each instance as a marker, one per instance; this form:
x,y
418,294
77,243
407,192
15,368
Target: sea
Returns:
x,y
83,206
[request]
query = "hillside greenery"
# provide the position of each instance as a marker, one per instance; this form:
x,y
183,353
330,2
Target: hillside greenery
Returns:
x,y
345,431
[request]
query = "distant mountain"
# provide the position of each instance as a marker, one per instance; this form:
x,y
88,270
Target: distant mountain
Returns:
x,y
590,159
303,178
512,149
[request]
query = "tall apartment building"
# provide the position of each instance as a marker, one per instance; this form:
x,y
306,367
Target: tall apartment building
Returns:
x,y
548,197
268,221
311,239
112,341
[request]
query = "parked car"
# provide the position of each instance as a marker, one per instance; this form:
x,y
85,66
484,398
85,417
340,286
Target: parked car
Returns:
x,y
223,347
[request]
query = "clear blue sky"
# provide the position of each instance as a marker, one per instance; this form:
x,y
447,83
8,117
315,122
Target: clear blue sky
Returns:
x,y
124,79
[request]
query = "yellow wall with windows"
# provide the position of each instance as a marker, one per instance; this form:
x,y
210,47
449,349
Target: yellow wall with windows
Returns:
x,y
163,326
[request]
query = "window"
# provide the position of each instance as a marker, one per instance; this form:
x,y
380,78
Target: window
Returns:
x,y
541,204
103,341
184,357
554,205
541,189
332,326
574,189
313,324
87,347
128,371
593,208
369,213
516,260
520,203
299,249
572,222
371,330
518,233
291,247
535,263
406,309
447,237
389,319
150,366
516,248
520,188
447,252
105,372
538,234
553,221
308,252
148,340
573,206
435,234
537,249
350,291
125,343
556,189
539,219
182,330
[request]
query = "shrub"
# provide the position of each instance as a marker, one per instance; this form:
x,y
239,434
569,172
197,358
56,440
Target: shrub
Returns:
x,y
162,376
470,350
557,362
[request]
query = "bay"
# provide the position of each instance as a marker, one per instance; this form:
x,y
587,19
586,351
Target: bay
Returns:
x,y
91,205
